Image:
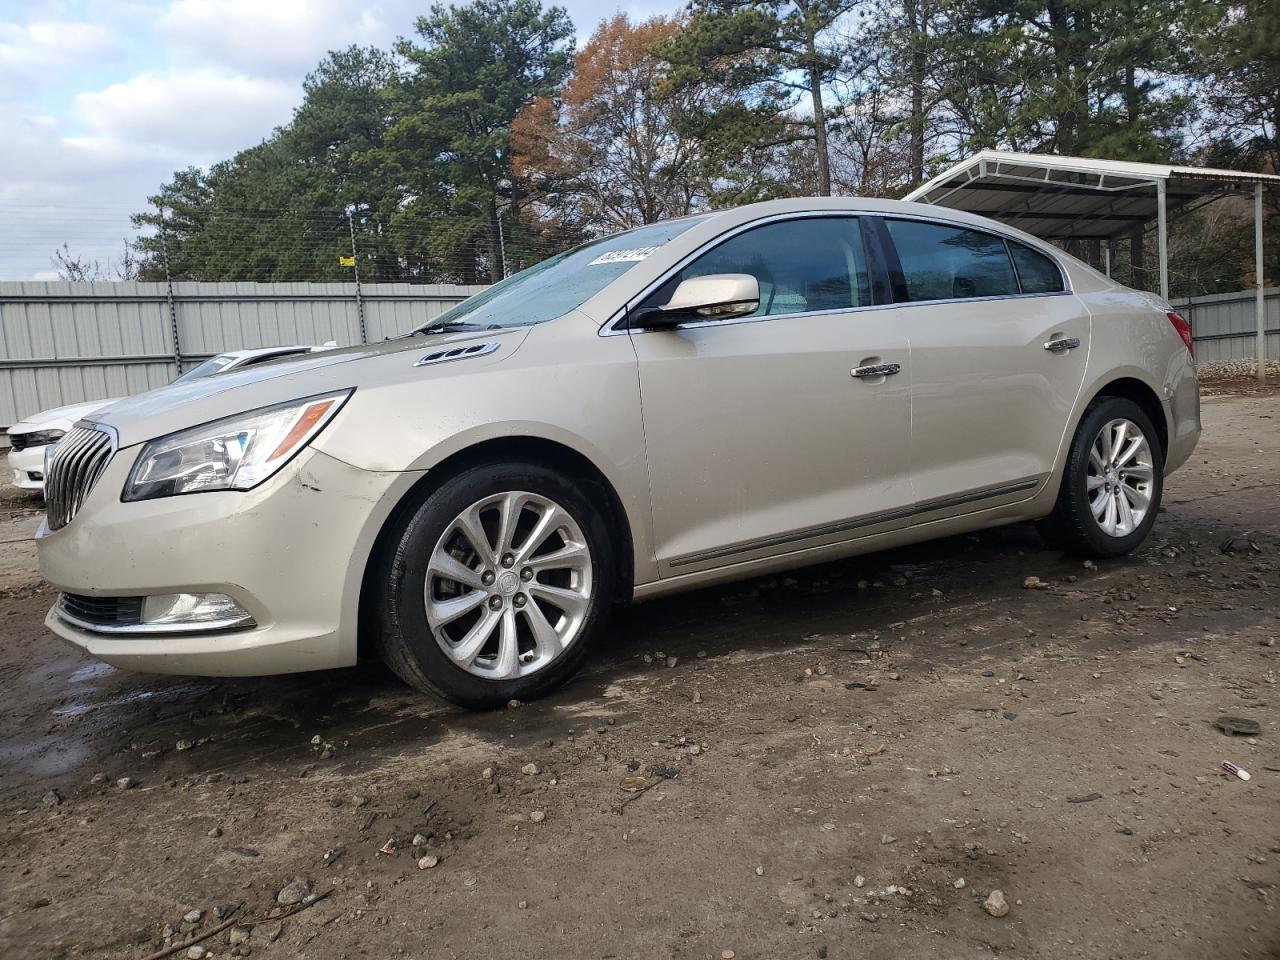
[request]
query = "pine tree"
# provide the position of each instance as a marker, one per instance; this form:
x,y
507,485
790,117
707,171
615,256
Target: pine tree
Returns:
x,y
472,70
775,55
1074,77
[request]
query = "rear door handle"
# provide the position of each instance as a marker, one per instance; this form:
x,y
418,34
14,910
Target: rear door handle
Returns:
x,y
1062,345
876,370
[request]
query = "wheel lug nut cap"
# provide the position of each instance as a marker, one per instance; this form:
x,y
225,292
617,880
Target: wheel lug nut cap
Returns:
x,y
508,560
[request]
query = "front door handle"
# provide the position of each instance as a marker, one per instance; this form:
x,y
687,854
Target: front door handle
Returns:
x,y
1062,344
876,370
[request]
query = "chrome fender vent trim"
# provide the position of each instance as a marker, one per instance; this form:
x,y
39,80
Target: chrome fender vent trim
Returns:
x,y
458,353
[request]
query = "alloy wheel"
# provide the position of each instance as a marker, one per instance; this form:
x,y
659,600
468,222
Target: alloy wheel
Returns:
x,y
1120,479
508,585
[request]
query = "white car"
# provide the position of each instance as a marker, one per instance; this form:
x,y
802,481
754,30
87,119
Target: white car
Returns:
x,y
29,438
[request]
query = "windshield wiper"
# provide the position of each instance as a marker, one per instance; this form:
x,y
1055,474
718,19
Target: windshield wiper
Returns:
x,y
456,325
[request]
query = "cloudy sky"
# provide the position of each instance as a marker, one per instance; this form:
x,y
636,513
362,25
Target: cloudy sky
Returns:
x,y
104,99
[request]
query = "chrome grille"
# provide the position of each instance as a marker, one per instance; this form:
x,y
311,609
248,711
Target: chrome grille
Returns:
x,y
73,468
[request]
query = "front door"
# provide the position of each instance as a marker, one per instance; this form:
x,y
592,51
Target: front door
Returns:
x,y
760,441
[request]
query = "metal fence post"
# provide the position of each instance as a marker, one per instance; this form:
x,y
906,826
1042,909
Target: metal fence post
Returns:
x,y
1259,303
502,248
355,263
168,295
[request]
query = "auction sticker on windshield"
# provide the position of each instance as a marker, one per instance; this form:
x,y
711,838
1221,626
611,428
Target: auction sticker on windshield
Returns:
x,y
633,255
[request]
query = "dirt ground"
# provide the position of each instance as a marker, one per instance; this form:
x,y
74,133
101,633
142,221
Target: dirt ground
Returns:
x,y
841,763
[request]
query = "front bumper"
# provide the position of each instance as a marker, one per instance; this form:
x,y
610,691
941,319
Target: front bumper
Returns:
x,y
28,468
291,552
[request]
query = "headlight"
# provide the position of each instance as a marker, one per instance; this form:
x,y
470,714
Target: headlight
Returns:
x,y
237,453
36,438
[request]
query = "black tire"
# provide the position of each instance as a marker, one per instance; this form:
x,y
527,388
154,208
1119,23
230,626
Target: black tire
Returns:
x,y
405,639
1072,526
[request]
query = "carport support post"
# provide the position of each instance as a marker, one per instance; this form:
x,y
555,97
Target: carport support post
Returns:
x,y
1260,306
1162,238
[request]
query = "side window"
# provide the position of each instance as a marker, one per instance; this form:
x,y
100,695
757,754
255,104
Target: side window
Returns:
x,y
1036,272
801,265
941,262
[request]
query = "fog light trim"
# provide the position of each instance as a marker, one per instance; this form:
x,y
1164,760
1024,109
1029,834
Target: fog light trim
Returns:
x,y
172,613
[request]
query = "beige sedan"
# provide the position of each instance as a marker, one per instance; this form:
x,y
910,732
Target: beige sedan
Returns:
x,y
689,402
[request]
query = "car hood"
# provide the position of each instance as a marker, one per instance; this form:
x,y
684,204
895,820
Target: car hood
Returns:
x,y
61,418
181,405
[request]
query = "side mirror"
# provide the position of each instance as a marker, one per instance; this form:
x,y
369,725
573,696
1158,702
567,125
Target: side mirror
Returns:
x,y
719,296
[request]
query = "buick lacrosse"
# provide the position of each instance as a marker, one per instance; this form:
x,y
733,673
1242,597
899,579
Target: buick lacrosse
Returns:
x,y
694,401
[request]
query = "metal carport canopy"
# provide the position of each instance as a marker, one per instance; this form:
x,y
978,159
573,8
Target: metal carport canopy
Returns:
x,y
1066,198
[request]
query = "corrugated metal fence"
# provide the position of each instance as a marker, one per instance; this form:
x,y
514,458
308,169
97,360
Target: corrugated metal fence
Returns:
x,y
63,342
1225,325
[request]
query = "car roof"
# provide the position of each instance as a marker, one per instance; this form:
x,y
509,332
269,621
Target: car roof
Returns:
x,y
876,205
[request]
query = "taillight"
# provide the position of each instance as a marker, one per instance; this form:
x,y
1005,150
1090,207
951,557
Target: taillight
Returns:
x,y
1184,330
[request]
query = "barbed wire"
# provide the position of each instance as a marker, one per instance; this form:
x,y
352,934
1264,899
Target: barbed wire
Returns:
x,y
283,243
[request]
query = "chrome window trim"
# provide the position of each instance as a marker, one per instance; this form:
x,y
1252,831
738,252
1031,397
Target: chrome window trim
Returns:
x,y
1066,279
610,327
1010,243
695,325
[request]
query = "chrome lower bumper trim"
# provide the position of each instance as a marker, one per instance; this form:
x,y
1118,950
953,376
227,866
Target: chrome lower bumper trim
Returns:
x,y
154,629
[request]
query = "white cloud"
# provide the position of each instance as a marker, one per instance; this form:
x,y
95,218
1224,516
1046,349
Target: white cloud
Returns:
x,y
105,99
28,52
281,37
45,43
206,112
54,189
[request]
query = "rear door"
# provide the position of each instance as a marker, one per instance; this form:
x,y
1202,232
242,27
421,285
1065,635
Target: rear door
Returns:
x,y
999,347
759,439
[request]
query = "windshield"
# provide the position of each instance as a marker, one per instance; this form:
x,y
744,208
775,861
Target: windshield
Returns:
x,y
561,283
208,368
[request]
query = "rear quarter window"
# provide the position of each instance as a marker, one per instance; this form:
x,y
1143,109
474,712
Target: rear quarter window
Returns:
x,y
1036,272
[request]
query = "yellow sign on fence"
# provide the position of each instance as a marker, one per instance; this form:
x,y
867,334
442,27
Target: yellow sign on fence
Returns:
x,y
346,261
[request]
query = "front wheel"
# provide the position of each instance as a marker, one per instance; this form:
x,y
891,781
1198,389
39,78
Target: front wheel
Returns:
x,y
1112,483
496,586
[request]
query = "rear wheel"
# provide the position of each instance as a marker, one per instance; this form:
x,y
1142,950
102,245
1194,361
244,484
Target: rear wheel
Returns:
x,y
1112,483
496,587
